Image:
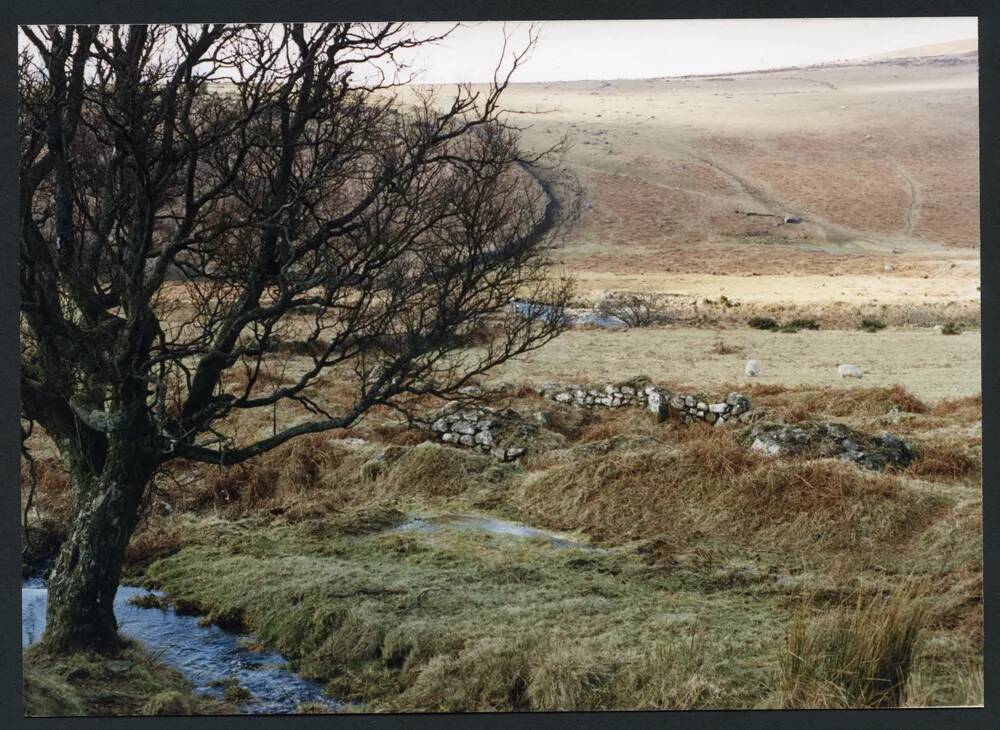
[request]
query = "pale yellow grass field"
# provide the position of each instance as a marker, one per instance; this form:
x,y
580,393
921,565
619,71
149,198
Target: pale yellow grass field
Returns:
x,y
932,366
956,286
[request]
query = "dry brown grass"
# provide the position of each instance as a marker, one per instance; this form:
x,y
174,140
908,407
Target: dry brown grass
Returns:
x,y
295,469
794,403
719,347
53,492
437,471
853,657
704,482
964,408
633,423
602,430
944,462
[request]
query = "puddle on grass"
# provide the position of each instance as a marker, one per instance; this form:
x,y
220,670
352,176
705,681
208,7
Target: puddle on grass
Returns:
x,y
490,525
204,654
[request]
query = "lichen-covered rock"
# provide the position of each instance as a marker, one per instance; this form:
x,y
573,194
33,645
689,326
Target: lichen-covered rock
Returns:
x,y
657,404
738,403
503,433
829,440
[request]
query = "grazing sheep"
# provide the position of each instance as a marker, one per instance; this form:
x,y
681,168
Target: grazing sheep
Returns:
x,y
849,371
752,368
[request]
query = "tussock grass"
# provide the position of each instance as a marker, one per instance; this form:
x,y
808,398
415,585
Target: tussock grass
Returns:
x,y
709,483
764,323
872,325
945,462
82,684
838,403
571,676
830,315
970,406
439,471
47,694
170,702
673,676
853,657
296,468
629,423
465,622
719,347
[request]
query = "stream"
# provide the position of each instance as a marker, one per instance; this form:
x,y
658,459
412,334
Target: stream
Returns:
x,y
202,653
208,654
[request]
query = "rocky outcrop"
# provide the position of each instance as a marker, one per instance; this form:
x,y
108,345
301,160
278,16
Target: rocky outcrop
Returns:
x,y
829,440
662,403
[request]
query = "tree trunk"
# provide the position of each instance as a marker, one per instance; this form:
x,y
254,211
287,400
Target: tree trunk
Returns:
x,y
85,577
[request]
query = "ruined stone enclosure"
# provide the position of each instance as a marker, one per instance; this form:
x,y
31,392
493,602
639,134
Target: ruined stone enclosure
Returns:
x,y
659,401
508,435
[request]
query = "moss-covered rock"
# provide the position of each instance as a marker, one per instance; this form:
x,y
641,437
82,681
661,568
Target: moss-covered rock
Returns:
x,y
830,440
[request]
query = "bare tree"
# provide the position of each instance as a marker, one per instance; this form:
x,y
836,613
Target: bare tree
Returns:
x,y
193,196
634,309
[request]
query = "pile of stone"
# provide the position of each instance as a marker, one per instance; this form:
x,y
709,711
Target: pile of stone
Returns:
x,y
691,408
830,440
484,429
659,401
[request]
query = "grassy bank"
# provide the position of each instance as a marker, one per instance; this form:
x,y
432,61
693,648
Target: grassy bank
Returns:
x,y
716,565
467,621
127,682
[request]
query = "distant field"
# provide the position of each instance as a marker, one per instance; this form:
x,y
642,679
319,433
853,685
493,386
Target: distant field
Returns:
x,y
880,161
930,365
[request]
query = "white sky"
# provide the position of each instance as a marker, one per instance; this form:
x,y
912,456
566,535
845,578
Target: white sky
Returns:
x,y
610,49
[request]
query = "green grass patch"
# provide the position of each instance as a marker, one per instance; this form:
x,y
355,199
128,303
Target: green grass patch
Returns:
x,y
454,620
127,682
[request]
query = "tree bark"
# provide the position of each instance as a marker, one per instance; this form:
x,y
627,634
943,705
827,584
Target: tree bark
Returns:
x,y
85,577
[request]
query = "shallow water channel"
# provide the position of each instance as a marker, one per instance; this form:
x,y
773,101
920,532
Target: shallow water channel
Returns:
x,y
490,525
202,653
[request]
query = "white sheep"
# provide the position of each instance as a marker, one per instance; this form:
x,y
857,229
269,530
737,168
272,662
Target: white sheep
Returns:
x,y
752,368
849,371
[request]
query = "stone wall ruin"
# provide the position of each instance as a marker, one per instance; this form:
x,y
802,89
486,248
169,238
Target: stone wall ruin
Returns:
x,y
662,403
507,435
